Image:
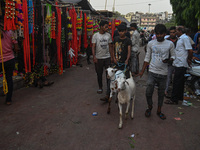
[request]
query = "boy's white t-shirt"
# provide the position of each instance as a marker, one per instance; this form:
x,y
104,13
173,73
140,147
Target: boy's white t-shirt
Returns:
x,y
156,53
102,45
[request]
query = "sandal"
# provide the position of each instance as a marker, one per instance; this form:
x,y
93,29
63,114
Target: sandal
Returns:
x,y
148,112
105,99
99,91
8,103
161,115
170,102
48,83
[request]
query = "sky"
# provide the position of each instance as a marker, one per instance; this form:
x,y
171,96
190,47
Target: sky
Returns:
x,y
126,6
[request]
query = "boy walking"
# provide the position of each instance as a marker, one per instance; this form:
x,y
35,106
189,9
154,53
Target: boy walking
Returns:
x,y
157,55
122,49
101,50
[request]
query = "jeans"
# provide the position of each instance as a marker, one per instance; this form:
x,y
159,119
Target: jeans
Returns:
x,y
169,76
9,67
99,66
134,62
161,82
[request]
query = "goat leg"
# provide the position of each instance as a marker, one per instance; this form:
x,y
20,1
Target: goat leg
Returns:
x,y
120,115
127,108
109,101
133,107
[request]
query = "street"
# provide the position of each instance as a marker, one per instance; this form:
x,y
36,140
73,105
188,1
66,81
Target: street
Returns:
x,y
60,117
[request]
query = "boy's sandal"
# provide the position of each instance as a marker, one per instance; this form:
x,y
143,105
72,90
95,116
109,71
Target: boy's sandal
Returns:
x,y
48,83
105,99
148,112
161,115
99,91
170,102
8,103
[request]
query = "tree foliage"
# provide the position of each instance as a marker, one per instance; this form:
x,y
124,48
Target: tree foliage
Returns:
x,y
171,23
187,12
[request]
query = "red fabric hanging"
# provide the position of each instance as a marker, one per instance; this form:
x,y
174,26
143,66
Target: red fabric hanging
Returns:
x,y
85,40
58,40
33,38
27,60
73,15
79,37
113,28
70,44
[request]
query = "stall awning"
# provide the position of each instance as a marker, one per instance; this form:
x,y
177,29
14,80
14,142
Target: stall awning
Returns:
x,y
85,5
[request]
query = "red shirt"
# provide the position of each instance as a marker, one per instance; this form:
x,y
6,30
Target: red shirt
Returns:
x,y
7,45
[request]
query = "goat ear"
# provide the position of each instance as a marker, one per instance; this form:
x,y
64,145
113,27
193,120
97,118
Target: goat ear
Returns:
x,y
115,70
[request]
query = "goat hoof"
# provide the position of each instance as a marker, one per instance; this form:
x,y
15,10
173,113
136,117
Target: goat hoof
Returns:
x,y
120,126
126,116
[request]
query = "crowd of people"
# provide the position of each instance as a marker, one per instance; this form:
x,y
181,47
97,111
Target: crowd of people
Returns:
x,y
168,52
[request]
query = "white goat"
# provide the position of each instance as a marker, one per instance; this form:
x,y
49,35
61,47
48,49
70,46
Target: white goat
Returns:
x,y
113,74
126,91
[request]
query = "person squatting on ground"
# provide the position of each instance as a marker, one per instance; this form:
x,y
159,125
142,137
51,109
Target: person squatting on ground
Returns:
x,y
183,59
102,52
8,42
135,38
172,37
157,55
122,50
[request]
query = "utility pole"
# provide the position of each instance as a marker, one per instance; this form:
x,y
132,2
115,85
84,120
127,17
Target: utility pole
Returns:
x,y
149,7
105,4
114,6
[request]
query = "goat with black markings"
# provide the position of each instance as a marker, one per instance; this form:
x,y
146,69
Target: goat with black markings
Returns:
x,y
113,74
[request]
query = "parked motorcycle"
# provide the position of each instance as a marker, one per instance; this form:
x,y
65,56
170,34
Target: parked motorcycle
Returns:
x,y
193,77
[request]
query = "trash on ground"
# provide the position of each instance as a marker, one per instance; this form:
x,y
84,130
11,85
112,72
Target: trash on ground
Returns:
x,y
132,135
197,92
94,114
17,133
181,113
180,108
177,119
198,100
87,68
185,103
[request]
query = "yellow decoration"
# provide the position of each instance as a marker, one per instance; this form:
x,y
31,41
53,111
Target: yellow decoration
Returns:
x,y
5,85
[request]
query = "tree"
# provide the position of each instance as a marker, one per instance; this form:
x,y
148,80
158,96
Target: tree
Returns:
x,y
187,12
171,23
117,14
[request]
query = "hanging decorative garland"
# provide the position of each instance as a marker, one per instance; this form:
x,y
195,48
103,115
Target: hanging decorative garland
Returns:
x,y
89,26
69,26
96,27
85,32
53,26
117,22
19,18
9,18
79,25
